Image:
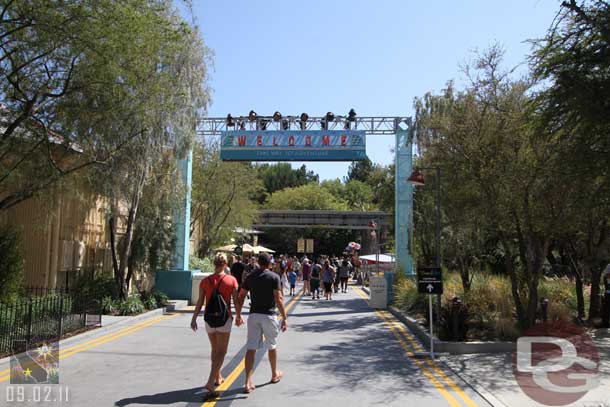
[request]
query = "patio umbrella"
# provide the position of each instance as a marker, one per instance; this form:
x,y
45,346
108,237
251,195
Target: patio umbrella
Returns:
x,y
227,248
260,249
248,248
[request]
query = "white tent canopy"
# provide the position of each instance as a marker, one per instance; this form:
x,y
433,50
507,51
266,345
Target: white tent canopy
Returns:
x,y
383,258
231,247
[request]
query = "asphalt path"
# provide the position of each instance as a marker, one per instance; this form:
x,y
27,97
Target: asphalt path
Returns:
x,y
338,352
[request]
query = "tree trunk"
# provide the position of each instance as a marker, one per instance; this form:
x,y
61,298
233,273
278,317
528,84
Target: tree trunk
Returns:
x,y
594,300
115,263
509,265
128,238
578,286
464,274
537,253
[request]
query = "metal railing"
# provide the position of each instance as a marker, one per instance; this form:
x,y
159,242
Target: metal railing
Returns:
x,y
42,291
30,321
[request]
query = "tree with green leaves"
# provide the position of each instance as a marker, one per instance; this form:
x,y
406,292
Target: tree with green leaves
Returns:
x,y
306,197
360,170
69,70
223,196
149,117
278,176
496,170
573,63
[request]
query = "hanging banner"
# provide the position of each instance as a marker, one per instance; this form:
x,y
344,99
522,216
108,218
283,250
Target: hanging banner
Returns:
x,y
278,145
301,246
309,246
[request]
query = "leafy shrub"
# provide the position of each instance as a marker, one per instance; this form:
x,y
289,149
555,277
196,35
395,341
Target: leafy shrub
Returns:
x,y
559,291
149,300
558,311
505,328
161,298
11,263
131,306
109,305
205,265
98,287
406,296
488,299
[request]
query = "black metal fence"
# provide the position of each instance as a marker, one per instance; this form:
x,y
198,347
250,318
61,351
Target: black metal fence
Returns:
x,y
36,319
42,291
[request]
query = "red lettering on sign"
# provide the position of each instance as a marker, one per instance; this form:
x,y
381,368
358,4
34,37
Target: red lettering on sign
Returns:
x,y
274,141
241,140
343,139
291,141
326,140
308,141
259,140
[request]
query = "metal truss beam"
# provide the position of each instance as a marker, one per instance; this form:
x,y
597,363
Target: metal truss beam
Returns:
x,y
321,219
379,125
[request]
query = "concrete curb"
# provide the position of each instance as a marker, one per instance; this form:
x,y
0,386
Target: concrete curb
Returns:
x,y
102,330
474,384
454,348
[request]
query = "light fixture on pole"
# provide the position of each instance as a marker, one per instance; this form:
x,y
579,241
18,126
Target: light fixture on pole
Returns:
x,y
304,117
330,116
351,116
417,178
230,120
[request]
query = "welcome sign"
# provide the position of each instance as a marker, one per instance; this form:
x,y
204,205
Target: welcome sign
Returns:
x,y
279,145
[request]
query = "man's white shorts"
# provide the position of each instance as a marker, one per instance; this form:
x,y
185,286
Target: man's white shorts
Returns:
x,y
226,328
259,325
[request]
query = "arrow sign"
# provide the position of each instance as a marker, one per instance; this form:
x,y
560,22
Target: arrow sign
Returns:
x,y
429,280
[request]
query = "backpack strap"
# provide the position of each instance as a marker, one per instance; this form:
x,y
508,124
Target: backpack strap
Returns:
x,y
215,287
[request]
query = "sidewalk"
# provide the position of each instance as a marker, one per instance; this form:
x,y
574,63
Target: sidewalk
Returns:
x,y
492,376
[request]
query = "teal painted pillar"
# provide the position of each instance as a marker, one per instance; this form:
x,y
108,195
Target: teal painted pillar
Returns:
x,y
404,202
182,217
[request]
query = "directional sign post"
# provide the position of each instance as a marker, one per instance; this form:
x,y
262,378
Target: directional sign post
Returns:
x,y
430,281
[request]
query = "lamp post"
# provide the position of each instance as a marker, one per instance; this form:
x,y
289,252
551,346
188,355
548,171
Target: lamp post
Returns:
x,y
417,179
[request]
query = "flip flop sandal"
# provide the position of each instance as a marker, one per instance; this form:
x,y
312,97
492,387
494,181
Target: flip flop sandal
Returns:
x,y
211,394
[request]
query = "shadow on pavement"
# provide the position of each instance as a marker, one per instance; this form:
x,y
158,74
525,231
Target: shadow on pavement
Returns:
x,y
360,354
193,395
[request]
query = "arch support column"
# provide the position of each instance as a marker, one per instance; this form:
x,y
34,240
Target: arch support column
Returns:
x,y
403,202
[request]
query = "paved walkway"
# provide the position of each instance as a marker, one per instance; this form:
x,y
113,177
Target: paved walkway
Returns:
x,y
337,352
492,375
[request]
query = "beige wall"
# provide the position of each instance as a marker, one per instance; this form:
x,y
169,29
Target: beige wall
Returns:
x,y
64,234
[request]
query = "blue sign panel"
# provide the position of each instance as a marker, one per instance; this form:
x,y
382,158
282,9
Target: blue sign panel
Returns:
x,y
278,145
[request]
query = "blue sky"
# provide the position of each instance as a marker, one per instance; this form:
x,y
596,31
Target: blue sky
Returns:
x,y
316,56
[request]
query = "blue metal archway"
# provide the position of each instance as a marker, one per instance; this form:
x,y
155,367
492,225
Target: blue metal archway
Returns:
x,y
176,282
